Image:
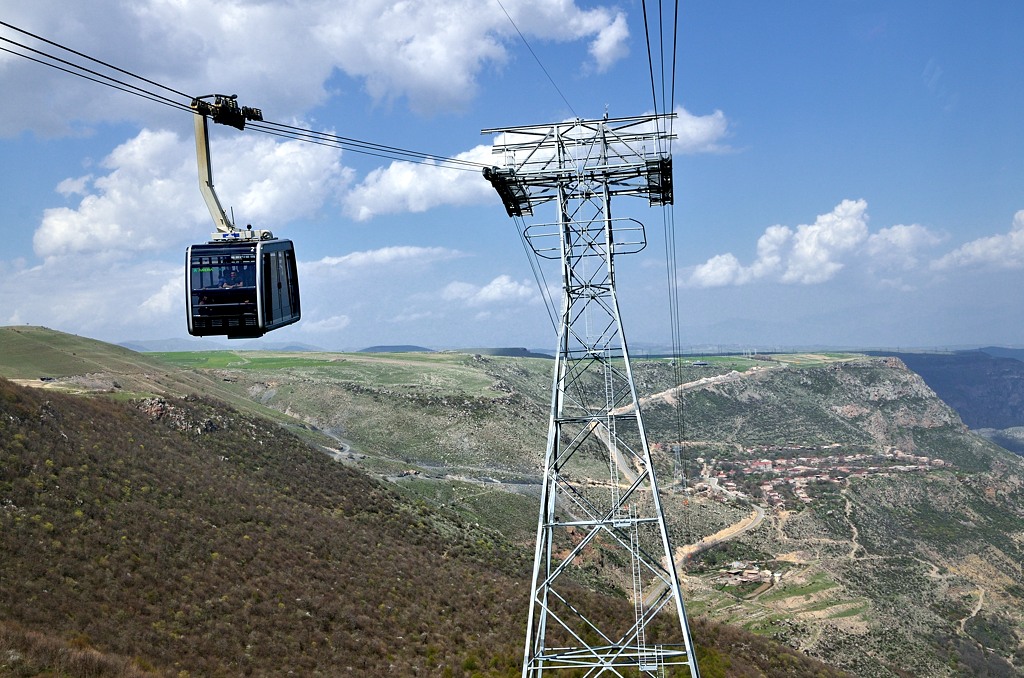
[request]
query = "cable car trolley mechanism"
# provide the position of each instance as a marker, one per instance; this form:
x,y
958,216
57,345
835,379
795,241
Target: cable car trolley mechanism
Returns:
x,y
243,283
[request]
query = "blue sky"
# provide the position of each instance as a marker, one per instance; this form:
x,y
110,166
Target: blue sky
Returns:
x,y
848,173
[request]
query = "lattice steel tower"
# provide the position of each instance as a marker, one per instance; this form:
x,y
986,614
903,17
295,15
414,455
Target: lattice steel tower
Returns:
x,y
600,507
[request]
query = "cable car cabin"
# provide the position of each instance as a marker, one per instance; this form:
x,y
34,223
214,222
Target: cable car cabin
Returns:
x,y
241,289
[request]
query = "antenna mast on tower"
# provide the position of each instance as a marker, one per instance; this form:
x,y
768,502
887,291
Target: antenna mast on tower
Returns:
x,y
600,505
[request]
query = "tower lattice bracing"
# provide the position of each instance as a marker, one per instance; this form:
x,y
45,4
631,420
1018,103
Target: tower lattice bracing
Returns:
x,y
601,517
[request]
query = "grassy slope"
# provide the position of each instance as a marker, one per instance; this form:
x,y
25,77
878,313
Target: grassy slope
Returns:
x,y
199,541
33,352
473,415
79,364
476,416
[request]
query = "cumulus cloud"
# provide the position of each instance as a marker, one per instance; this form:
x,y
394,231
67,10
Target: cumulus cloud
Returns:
x,y
150,197
501,289
700,133
899,246
817,247
810,254
430,54
132,207
1004,251
611,43
719,271
71,294
410,187
165,300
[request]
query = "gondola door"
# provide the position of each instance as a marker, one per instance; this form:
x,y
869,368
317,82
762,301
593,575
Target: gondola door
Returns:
x,y
280,284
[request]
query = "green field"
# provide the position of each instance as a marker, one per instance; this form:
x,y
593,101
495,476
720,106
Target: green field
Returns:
x,y
235,360
726,362
817,583
816,359
443,372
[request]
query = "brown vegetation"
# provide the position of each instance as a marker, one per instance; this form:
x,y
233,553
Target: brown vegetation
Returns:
x,y
199,541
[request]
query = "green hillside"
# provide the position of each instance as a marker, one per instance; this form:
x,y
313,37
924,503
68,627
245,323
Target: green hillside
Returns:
x,y
45,358
33,352
857,506
179,537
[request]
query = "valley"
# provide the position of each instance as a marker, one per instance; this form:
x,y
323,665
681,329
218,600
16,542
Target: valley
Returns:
x,y
831,503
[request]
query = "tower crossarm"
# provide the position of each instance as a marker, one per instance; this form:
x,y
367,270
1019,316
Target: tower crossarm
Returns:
x,y
626,156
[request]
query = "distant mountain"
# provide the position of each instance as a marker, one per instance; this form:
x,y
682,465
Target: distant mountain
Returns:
x,y
1003,352
396,349
286,347
508,352
172,345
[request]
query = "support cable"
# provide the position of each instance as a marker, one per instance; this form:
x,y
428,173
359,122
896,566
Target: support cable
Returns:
x,y
99,78
384,151
93,59
650,65
366,147
536,58
661,55
650,58
681,455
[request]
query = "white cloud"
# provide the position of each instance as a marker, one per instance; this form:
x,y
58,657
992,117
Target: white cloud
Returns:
x,y
131,208
818,246
167,299
500,290
770,251
811,254
149,198
75,295
428,53
1005,251
611,43
700,133
720,270
273,182
898,246
410,187
335,323
386,257
74,186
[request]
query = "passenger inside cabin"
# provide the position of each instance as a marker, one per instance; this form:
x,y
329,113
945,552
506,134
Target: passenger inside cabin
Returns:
x,y
232,279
